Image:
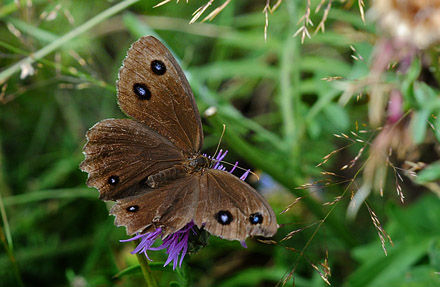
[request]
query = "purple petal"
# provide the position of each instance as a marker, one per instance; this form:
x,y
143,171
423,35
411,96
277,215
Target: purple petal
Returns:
x,y
243,177
233,168
243,243
133,238
146,255
221,155
176,243
185,249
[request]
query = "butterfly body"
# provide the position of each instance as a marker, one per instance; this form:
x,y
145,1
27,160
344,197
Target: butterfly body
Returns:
x,y
152,165
195,164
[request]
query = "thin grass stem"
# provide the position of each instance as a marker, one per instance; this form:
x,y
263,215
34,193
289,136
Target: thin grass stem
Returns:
x,y
4,76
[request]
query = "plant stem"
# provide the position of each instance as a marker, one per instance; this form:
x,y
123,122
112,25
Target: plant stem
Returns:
x,y
146,270
10,254
186,272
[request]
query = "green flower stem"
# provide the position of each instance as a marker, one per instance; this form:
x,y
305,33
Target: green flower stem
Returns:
x,y
146,270
65,39
186,272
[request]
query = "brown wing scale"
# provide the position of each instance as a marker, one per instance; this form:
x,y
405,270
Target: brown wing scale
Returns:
x,y
153,89
227,204
198,197
170,207
118,156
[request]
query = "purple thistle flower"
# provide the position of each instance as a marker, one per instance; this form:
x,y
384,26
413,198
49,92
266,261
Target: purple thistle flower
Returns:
x,y
147,241
177,243
221,155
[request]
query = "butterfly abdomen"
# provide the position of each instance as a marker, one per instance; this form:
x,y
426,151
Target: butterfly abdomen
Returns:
x,y
162,177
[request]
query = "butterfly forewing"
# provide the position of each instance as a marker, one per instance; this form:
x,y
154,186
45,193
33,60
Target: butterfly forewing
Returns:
x,y
153,89
118,156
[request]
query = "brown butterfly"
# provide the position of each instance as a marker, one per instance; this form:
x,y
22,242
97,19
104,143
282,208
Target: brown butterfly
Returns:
x,y
152,165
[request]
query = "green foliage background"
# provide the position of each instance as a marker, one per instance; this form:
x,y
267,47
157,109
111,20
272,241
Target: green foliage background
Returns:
x,y
280,117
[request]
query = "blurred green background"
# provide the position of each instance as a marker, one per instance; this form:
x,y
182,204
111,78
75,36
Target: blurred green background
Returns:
x,y
281,112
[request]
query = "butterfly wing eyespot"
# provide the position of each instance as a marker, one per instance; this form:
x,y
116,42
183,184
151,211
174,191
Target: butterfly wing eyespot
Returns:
x,y
224,217
141,91
113,180
158,67
133,208
256,218
153,89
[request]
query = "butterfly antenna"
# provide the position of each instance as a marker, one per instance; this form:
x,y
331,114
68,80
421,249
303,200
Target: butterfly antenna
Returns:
x,y
228,163
219,141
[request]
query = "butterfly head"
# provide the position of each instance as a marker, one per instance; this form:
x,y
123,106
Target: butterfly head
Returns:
x,y
199,162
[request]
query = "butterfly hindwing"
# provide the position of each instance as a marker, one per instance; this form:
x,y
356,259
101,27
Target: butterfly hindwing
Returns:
x,y
214,200
230,208
170,207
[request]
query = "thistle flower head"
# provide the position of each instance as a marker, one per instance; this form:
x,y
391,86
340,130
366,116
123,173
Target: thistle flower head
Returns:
x,y
217,164
412,21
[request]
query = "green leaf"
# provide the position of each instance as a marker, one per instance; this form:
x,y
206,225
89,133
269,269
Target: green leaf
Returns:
x,y
337,116
436,124
325,65
425,276
136,269
137,27
314,129
434,254
430,173
42,35
413,231
408,82
248,68
425,96
418,125
255,276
